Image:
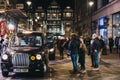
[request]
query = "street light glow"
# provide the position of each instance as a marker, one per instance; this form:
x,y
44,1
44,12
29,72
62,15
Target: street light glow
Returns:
x,y
91,3
29,3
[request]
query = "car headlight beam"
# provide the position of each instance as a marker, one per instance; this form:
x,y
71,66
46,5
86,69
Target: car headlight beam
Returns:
x,y
38,57
4,56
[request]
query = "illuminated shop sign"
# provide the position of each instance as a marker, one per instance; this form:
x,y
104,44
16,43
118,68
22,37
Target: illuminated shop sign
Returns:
x,y
103,22
2,28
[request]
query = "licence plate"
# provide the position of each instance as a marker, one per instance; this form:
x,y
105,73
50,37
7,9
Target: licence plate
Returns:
x,y
20,70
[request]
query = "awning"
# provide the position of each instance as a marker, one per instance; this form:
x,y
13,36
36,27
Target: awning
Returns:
x,y
16,13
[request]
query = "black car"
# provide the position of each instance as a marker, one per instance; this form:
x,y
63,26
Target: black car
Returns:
x,y
51,46
24,54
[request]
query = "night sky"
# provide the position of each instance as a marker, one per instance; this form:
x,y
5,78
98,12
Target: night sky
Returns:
x,y
46,3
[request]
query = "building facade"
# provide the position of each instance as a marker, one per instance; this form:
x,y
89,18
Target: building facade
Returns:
x,y
54,21
105,18
9,16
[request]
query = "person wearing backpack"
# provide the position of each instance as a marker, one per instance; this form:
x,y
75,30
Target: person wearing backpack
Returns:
x,y
111,44
74,48
82,51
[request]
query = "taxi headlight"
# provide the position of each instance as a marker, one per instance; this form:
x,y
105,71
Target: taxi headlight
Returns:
x,y
32,58
51,50
4,56
38,57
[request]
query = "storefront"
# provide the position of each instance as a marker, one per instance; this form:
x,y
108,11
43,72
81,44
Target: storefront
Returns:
x,y
116,24
103,28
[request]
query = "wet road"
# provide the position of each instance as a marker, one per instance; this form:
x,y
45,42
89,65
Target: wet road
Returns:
x,y
62,70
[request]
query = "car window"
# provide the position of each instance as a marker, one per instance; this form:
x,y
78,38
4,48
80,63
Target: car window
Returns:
x,y
38,41
31,41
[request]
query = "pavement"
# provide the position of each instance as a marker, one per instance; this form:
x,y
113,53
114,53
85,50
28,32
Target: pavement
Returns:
x,y
109,69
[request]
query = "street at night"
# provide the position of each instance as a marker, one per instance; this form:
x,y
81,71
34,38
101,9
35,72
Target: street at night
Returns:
x,y
59,39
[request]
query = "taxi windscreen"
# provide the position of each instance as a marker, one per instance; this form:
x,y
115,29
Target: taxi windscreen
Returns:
x,y
26,40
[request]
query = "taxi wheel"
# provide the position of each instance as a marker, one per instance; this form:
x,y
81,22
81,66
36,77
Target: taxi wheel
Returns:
x,y
43,70
5,73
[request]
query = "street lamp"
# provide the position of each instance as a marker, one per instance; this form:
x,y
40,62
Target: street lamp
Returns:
x,y
29,4
91,3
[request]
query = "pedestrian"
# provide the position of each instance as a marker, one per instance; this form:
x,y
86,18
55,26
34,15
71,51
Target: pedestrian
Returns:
x,y
87,43
119,46
74,47
111,44
95,48
1,44
67,46
102,46
61,47
46,52
5,43
117,43
82,51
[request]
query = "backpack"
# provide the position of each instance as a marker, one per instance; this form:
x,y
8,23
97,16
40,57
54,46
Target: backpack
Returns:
x,y
69,43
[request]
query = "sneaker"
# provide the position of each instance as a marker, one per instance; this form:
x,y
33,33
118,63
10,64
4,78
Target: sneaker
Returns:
x,y
80,71
83,71
95,69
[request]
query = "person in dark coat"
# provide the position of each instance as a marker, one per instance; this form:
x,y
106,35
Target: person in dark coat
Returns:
x,y
119,46
74,47
111,44
101,46
87,43
95,48
116,43
60,46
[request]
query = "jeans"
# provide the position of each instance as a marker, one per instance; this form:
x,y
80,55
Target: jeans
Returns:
x,y
92,59
74,58
110,49
82,60
96,59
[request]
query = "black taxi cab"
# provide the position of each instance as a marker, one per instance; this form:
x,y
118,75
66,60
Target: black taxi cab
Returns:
x,y
24,54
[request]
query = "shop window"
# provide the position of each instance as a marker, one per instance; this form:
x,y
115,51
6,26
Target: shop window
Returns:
x,y
105,2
